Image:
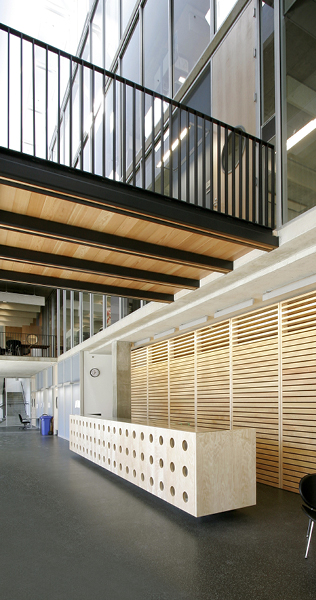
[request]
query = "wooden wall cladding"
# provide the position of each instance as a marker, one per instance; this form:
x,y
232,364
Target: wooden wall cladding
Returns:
x,y
299,389
257,370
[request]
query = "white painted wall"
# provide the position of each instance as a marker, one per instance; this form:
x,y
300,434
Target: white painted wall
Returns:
x,y
97,391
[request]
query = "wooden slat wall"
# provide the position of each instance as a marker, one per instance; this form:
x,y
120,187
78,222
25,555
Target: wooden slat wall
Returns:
x,y
158,382
182,380
139,383
256,370
213,376
299,389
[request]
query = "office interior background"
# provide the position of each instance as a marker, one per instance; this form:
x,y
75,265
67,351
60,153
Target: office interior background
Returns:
x,y
240,350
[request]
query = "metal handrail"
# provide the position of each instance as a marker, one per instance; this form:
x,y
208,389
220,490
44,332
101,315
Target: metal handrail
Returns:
x,y
20,344
142,137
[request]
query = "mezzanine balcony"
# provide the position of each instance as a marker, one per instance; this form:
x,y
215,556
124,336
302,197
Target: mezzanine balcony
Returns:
x,y
108,187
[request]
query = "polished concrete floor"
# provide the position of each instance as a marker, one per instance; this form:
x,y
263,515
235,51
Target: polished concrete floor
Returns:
x,y
71,531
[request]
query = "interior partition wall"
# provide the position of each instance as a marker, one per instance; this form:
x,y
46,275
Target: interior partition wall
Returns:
x,y
256,370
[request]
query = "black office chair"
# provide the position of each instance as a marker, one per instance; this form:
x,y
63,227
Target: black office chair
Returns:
x,y
13,347
307,489
24,421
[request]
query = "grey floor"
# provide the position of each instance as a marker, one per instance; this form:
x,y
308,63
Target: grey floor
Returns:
x,y
70,530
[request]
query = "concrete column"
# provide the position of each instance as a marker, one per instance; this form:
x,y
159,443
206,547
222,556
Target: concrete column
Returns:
x,y
121,372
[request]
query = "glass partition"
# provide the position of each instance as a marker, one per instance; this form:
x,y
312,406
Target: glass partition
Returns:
x,y
156,46
190,37
300,29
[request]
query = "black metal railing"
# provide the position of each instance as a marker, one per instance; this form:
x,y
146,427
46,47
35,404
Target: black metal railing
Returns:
x,y
59,107
27,344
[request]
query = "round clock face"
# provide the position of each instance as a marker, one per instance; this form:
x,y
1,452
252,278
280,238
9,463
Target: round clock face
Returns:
x,y
94,372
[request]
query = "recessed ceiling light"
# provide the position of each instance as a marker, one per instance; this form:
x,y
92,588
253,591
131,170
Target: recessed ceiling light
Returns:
x,y
181,79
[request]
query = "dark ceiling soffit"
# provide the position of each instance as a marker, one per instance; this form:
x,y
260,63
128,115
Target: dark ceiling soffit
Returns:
x,y
82,286
41,176
46,259
107,241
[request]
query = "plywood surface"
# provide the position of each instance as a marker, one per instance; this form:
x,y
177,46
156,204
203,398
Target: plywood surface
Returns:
x,y
182,467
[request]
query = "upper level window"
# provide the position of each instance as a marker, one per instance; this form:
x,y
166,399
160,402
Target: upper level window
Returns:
x,y
112,30
127,9
223,8
156,47
190,37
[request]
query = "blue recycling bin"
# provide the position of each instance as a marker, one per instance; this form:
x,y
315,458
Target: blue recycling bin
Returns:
x,y
45,424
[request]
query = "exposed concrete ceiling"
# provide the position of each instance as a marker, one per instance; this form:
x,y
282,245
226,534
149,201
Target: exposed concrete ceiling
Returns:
x,y
17,310
13,366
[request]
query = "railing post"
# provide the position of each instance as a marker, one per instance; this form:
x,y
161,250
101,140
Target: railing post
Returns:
x,y
233,173
58,110
33,93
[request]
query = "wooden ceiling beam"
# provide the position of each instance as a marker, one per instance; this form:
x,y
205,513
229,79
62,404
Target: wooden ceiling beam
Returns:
x,y
105,241
83,286
46,259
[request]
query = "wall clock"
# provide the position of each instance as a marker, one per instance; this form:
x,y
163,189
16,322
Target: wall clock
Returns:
x,y
95,372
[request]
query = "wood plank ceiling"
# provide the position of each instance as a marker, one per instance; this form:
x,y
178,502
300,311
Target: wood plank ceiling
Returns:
x,y
63,228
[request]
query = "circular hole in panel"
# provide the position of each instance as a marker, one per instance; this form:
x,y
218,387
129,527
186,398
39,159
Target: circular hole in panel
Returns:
x,y
161,485
127,470
99,427
151,439
94,426
151,460
79,422
134,473
120,448
172,491
114,430
127,451
185,497
109,429
114,464
172,442
114,447
134,454
90,425
151,481
141,436
126,432
94,440
95,455
120,431
161,463
142,476
103,443
185,445
160,440
109,462
185,471
134,434
103,458
109,445
120,466
87,451
99,455
172,467
142,456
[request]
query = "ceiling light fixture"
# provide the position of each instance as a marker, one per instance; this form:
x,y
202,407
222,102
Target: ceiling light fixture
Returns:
x,y
198,321
234,308
291,287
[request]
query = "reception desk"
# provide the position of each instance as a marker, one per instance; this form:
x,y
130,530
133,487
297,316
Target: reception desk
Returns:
x,y
201,472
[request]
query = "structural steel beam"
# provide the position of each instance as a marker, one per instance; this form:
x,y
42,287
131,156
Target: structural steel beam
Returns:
x,y
46,259
83,286
51,179
106,241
